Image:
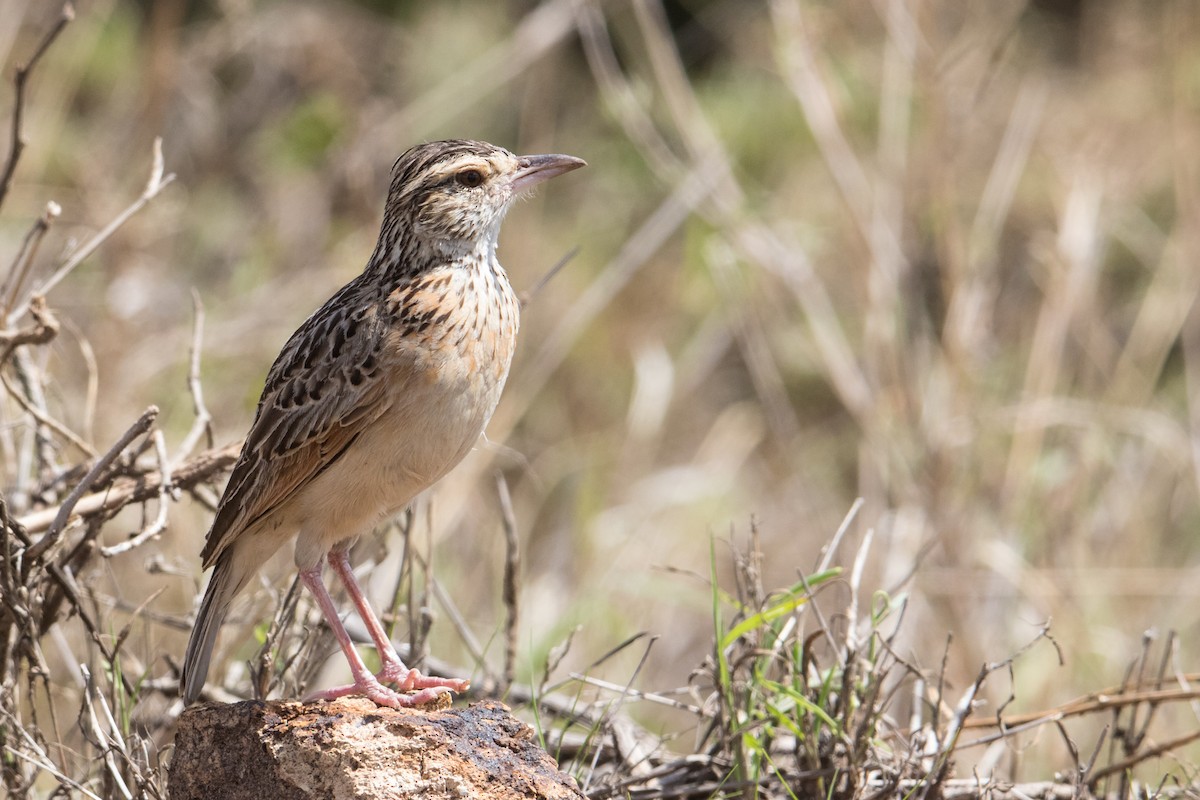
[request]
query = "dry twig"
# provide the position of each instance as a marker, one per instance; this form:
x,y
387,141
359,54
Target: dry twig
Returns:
x,y
20,79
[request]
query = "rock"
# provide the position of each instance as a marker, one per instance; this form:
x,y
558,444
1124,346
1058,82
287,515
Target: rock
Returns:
x,y
351,748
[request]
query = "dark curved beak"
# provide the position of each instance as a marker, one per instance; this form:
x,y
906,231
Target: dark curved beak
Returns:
x,y
535,169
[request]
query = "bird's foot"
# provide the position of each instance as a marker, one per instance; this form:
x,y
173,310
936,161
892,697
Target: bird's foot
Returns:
x,y
381,695
407,679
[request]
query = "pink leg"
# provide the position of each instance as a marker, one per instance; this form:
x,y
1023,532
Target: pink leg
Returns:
x,y
364,682
393,670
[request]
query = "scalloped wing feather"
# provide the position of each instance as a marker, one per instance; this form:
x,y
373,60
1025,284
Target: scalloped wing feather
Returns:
x,y
322,392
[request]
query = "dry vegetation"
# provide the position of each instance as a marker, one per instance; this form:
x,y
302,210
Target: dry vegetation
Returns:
x,y
934,263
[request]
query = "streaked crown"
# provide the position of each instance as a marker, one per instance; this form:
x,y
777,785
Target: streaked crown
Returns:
x,y
452,189
460,189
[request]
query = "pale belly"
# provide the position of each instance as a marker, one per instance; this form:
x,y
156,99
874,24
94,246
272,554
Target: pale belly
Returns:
x,y
430,427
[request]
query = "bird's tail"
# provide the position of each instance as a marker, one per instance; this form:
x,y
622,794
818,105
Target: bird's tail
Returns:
x,y
226,581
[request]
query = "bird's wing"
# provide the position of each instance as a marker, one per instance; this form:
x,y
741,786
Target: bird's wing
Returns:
x,y
323,390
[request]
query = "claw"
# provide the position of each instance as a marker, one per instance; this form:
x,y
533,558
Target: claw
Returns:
x,y
380,695
407,679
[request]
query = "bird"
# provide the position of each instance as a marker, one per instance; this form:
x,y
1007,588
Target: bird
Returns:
x,y
376,396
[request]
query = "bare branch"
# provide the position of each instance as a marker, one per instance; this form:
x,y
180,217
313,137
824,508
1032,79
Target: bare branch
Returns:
x,y
45,327
165,495
156,183
64,511
19,82
528,295
29,246
44,419
1151,752
102,736
636,694
462,628
202,427
40,758
512,568
135,490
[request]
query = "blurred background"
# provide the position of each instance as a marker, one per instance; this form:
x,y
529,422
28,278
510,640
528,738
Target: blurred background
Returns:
x,y
941,256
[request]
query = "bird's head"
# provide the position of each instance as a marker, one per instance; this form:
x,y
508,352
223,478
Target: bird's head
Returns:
x,y
456,192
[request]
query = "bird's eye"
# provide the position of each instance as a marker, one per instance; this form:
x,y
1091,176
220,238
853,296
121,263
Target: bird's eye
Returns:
x,y
470,178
